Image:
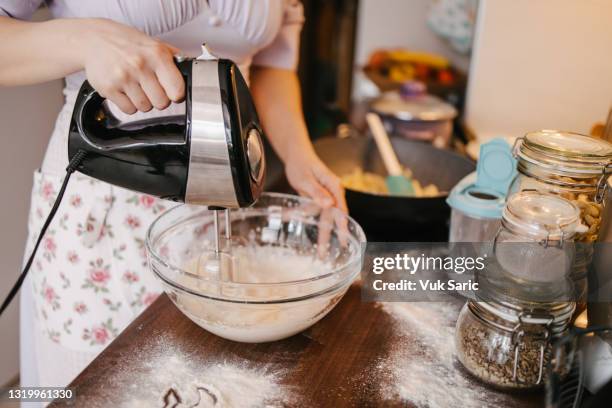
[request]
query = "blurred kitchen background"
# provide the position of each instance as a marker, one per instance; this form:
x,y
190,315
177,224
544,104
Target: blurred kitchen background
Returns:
x,y
531,65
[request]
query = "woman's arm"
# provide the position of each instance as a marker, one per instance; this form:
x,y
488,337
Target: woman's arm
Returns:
x,y
37,52
133,70
276,93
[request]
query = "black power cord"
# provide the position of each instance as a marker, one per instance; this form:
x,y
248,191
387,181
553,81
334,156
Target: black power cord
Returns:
x,y
72,166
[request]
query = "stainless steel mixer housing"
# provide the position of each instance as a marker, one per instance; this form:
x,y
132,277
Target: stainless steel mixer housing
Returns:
x,y
212,155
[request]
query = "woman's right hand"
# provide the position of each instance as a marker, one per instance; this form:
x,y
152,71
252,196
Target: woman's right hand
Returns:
x,y
131,69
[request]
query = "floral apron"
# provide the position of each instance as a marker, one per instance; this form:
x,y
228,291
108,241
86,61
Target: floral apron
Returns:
x,y
90,276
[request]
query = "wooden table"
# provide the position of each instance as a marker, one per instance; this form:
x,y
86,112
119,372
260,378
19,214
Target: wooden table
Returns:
x,y
325,366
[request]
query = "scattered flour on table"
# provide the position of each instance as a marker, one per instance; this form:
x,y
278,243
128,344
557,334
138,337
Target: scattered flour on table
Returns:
x,y
429,377
172,378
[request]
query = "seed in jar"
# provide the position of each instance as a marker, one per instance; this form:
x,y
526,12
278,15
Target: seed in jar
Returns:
x,y
591,220
568,180
593,230
582,205
592,209
583,197
490,357
590,214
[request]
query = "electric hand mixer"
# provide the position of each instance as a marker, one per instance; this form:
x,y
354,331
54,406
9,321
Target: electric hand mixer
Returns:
x,y
212,155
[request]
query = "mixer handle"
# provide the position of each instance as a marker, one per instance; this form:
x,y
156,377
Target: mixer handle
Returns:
x,y
88,98
100,129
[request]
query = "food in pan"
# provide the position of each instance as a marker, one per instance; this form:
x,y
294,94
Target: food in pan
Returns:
x,y
373,183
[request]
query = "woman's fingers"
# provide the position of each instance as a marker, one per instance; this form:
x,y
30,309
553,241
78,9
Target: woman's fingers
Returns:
x,y
172,81
311,188
332,183
137,96
154,91
335,186
325,227
169,76
159,80
343,231
175,51
133,70
122,101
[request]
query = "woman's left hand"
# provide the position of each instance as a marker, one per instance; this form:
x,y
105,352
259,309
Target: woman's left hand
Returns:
x,y
276,93
310,177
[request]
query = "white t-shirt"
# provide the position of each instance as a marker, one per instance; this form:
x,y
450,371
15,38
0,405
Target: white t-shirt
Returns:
x,y
265,30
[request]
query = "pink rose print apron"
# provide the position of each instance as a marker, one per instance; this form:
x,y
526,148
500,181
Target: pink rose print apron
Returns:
x,y
90,278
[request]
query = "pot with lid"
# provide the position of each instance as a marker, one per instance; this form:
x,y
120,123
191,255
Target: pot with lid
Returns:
x,y
414,114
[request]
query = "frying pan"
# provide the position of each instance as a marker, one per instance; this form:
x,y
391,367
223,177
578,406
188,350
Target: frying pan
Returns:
x,y
393,218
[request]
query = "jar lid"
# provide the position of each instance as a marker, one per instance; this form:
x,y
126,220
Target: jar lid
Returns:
x,y
424,107
496,166
483,194
541,216
567,151
556,317
476,202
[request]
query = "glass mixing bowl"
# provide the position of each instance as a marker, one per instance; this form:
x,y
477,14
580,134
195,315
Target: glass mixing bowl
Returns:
x,y
288,265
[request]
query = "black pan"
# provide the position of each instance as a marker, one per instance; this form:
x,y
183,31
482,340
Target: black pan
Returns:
x,y
393,218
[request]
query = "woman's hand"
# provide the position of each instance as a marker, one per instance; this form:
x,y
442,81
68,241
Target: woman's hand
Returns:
x,y
277,97
310,177
132,70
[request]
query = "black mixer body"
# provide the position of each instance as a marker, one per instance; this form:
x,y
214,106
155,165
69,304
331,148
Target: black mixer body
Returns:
x,y
212,155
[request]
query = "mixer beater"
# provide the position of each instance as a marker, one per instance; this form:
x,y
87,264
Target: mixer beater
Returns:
x,y
220,261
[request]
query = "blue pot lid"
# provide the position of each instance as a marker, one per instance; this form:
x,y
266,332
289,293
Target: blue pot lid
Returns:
x,y
482,194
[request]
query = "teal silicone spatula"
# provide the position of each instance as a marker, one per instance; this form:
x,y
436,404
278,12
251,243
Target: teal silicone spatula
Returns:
x,y
397,183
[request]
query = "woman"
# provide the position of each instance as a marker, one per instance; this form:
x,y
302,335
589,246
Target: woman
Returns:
x,y
90,279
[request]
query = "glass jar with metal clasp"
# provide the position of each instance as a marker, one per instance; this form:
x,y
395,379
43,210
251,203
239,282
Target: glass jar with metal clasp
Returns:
x,y
534,248
524,302
571,165
575,167
507,343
